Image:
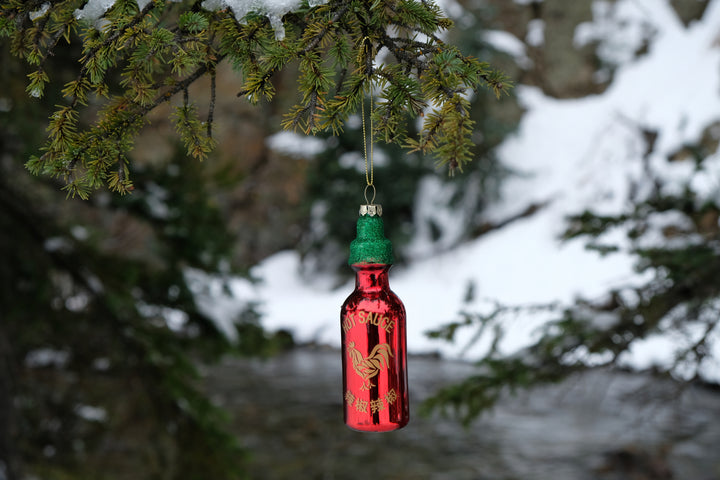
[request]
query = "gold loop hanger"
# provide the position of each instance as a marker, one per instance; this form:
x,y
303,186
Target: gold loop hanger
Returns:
x,y
369,159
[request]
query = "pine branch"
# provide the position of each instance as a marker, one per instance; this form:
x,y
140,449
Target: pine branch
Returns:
x,y
161,50
315,41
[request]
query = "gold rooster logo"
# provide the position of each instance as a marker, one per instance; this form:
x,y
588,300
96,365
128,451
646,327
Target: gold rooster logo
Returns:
x,y
369,367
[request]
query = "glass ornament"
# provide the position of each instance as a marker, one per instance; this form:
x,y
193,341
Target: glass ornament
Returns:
x,y
374,360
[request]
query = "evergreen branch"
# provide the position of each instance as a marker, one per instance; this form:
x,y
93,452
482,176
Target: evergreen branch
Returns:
x,y
132,113
344,7
335,45
177,87
114,36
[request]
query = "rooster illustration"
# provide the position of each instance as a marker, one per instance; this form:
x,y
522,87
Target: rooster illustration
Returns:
x,y
368,367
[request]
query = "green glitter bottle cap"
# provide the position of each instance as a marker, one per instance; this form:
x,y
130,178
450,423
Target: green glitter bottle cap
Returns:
x,y
370,246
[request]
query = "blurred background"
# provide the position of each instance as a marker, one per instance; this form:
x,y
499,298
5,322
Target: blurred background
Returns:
x,y
190,330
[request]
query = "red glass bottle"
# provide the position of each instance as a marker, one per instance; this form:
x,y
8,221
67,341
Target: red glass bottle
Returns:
x,y
375,390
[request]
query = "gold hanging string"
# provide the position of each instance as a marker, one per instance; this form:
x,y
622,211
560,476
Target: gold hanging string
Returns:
x,y
369,159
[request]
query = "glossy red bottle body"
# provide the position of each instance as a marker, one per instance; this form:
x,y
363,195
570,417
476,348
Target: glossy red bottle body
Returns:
x,y
374,359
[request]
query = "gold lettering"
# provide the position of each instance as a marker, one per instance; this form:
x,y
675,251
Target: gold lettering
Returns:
x,y
361,405
391,396
370,318
348,323
377,405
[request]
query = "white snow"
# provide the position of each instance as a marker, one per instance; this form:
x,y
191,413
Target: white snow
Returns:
x,y
39,13
508,43
620,28
433,208
295,145
93,10
221,299
175,319
90,413
156,199
57,244
452,9
659,222
46,357
273,9
536,32
568,155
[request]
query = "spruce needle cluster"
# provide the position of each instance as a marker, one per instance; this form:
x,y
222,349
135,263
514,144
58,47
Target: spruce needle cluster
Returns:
x,y
135,59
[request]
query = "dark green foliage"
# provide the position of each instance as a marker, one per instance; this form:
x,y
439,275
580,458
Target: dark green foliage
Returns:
x,y
497,374
132,364
678,299
98,378
160,51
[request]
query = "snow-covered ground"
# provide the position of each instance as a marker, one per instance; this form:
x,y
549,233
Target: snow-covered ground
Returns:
x,y
572,154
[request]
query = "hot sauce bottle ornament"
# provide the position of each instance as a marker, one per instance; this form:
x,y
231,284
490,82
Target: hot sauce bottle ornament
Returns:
x,y
375,390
